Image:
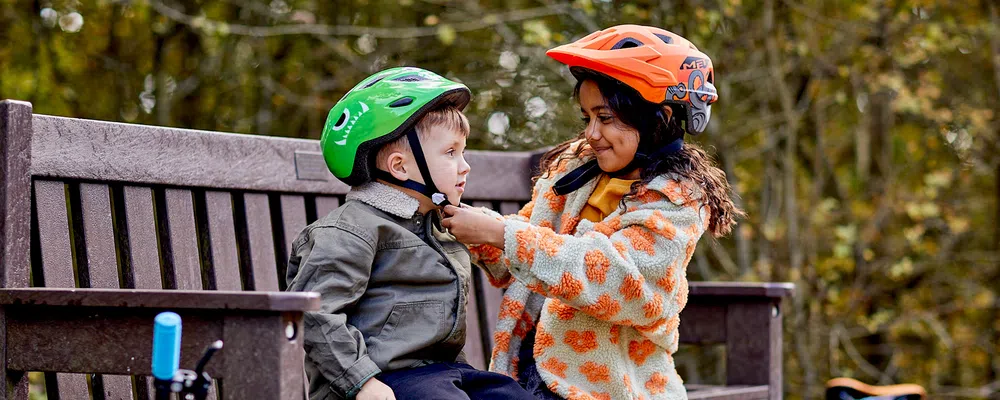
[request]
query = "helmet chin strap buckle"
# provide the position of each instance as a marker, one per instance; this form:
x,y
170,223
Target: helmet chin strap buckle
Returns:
x,y
439,199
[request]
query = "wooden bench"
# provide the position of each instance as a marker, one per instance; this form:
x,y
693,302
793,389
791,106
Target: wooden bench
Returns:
x,y
102,225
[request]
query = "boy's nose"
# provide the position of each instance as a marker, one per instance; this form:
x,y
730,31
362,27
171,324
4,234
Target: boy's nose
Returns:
x,y
464,167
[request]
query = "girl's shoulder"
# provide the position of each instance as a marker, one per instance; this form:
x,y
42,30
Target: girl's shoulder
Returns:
x,y
678,190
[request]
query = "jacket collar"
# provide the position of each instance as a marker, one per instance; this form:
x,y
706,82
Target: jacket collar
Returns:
x,y
385,198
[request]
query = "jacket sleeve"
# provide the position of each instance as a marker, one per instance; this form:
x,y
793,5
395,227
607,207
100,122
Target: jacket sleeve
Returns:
x,y
628,270
336,263
488,257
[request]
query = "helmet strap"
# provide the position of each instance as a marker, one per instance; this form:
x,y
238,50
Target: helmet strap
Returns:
x,y
641,159
579,177
428,188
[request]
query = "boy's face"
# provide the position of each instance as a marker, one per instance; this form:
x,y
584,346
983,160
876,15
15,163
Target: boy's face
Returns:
x,y
444,150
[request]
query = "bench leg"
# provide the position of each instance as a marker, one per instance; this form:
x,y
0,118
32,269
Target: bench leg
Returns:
x,y
261,361
16,382
754,357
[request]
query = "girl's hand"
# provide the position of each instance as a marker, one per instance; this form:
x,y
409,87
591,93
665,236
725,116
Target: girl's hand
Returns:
x,y
470,226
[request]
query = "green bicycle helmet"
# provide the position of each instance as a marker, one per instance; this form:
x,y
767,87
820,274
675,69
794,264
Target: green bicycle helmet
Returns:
x,y
379,110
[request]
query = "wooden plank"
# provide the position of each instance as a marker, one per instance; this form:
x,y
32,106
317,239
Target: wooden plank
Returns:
x,y
326,205
53,234
293,217
117,339
109,151
16,381
102,264
141,298
484,204
183,239
293,221
499,175
261,241
491,300
749,345
703,323
509,208
277,359
15,193
72,386
117,387
222,236
702,392
118,342
143,251
99,235
15,217
742,289
474,351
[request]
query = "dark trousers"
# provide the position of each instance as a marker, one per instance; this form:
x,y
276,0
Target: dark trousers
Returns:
x,y
447,381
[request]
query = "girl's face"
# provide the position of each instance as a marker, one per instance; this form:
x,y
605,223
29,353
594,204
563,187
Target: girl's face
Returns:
x,y
613,141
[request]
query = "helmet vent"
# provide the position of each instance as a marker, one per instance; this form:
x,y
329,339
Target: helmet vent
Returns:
x,y
666,39
627,43
410,78
405,101
372,83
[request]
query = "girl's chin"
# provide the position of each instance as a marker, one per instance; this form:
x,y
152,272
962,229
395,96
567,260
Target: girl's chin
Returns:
x,y
609,166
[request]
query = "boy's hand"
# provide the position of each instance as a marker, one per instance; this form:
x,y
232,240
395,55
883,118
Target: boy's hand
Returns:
x,y
471,226
374,389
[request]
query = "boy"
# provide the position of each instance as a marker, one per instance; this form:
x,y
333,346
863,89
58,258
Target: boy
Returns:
x,y
393,284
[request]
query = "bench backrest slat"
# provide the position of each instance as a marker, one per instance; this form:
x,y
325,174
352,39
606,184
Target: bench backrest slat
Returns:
x,y
99,236
509,207
180,235
53,234
293,220
260,239
143,256
475,349
324,205
222,240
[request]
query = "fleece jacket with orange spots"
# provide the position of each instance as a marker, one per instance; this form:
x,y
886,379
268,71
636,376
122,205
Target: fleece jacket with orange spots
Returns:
x,y
604,297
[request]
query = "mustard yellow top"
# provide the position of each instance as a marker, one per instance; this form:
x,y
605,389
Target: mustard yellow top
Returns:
x,y
606,198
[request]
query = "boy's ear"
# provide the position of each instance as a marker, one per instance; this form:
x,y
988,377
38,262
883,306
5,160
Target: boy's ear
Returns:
x,y
396,165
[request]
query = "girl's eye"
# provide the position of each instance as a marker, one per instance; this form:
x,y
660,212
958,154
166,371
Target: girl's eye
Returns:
x,y
585,120
605,118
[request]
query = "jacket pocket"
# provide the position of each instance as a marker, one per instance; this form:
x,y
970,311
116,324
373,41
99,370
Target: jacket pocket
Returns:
x,y
411,326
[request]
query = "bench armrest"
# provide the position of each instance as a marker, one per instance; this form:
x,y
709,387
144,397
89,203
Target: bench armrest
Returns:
x,y
110,331
746,317
172,299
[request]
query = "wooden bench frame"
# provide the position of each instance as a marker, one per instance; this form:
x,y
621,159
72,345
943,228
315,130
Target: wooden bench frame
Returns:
x,y
104,224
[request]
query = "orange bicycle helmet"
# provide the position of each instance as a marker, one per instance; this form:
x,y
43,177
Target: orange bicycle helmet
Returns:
x,y
662,66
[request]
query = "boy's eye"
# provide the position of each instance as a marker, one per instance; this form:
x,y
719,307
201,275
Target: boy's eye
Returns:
x,y
451,152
